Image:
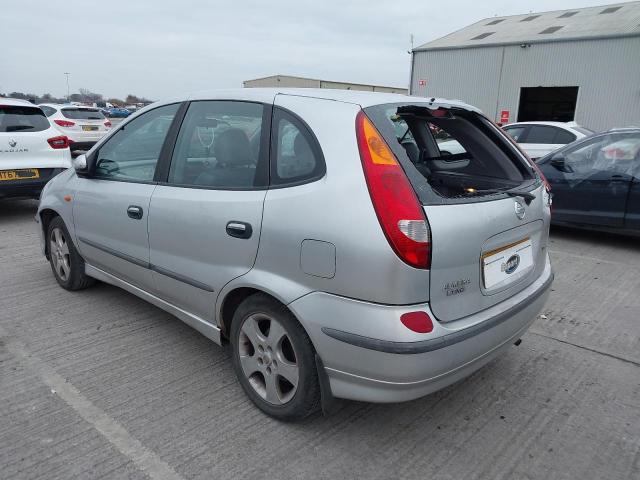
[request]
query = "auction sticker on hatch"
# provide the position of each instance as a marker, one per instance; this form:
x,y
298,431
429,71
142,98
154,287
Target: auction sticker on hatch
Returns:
x,y
507,264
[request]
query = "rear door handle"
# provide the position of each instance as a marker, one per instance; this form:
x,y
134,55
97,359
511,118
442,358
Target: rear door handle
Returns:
x,y
239,229
618,178
135,212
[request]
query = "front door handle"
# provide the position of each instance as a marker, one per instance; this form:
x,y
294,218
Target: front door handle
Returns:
x,y
239,229
135,212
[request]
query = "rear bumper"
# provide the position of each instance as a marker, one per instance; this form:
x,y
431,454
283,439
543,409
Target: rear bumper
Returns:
x,y
28,188
370,356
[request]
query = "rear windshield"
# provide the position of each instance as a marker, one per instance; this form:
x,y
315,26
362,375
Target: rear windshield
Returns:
x,y
457,153
18,118
82,113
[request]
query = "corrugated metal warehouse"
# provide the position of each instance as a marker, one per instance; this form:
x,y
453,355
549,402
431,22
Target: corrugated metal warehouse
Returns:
x,y
303,82
580,64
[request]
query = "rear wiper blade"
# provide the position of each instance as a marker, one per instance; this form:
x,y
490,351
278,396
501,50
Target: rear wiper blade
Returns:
x,y
528,196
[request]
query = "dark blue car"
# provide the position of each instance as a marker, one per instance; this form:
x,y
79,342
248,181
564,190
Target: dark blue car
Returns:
x,y
595,182
116,112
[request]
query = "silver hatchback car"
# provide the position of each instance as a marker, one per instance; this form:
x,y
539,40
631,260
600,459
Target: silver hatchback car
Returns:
x,y
322,234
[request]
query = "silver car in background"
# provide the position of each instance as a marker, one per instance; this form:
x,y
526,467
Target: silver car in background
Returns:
x,y
320,233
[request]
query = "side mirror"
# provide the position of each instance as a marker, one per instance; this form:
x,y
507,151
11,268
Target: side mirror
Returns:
x,y
558,161
80,162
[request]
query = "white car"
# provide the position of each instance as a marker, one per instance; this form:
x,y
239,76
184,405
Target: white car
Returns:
x,y
31,150
537,139
83,125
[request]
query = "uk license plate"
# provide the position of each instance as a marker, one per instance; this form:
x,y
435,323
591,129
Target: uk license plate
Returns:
x,y
89,128
23,174
507,264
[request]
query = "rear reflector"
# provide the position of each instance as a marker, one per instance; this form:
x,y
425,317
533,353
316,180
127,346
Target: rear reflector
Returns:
x,y
400,214
64,123
417,321
59,142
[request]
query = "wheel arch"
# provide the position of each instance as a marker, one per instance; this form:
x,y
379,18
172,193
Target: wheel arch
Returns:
x,y
46,216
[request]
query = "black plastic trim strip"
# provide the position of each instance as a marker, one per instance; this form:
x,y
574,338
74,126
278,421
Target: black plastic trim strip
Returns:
x,y
147,265
115,253
411,348
181,278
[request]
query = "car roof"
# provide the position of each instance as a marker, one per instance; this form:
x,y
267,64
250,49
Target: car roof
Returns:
x,y
67,105
15,101
362,98
565,125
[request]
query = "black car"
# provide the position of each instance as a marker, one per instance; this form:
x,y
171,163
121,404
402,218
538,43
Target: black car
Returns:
x,y
595,182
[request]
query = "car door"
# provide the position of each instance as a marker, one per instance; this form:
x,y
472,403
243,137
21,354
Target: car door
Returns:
x,y
632,214
590,181
205,218
111,205
541,140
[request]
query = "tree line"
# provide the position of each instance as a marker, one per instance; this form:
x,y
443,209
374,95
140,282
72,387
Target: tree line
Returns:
x,y
83,96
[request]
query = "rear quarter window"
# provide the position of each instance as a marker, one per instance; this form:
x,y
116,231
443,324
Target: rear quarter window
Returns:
x,y
48,111
82,113
18,118
564,137
297,154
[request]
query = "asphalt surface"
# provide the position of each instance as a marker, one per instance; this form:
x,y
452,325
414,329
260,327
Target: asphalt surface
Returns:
x,y
99,384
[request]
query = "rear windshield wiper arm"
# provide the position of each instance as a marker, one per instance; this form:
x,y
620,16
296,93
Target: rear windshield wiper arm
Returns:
x,y
528,196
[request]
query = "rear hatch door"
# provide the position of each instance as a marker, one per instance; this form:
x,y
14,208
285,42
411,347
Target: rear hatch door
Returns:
x,y
487,208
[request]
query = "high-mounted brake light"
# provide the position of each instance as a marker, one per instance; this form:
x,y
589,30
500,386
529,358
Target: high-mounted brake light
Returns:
x,y
64,123
400,214
59,142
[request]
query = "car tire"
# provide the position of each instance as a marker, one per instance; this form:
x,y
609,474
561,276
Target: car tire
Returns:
x,y
274,359
66,263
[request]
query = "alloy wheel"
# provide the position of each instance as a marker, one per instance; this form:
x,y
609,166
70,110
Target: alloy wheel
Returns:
x,y
268,359
59,252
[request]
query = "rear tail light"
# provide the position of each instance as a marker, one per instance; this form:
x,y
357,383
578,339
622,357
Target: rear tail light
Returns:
x,y
64,123
59,142
400,214
107,124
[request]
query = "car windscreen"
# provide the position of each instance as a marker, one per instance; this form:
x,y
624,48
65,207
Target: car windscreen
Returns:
x,y
82,113
19,118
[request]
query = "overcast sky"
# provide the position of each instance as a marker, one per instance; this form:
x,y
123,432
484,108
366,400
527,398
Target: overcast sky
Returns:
x,y
159,48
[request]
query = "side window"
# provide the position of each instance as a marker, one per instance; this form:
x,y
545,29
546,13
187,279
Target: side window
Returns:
x,y
48,111
515,132
219,146
564,137
132,153
296,151
613,154
541,134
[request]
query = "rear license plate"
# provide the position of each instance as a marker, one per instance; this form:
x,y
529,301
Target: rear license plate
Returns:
x,y
507,264
89,128
24,174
